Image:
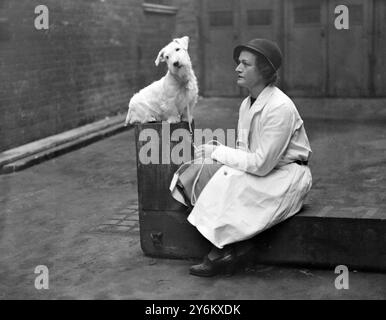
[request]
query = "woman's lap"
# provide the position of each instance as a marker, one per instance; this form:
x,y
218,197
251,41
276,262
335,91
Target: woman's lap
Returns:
x,y
207,172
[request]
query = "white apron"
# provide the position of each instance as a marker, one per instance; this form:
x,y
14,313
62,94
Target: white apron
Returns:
x,y
260,185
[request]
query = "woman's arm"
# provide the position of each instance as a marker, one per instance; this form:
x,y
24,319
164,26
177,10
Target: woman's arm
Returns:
x,y
273,138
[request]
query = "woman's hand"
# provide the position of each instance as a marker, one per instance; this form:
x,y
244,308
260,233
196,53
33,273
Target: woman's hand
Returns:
x,y
204,150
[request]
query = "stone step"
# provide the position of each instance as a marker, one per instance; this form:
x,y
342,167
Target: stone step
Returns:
x,y
36,152
318,236
327,236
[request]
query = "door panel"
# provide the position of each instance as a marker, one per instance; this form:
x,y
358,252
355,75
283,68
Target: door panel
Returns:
x,y
348,51
305,47
221,30
260,19
380,48
228,23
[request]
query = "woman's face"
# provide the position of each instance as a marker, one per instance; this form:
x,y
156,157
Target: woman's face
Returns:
x,y
248,75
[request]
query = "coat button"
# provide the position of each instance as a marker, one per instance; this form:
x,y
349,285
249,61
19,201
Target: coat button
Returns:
x,y
225,173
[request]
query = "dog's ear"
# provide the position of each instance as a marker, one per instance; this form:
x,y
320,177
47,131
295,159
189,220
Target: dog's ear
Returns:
x,y
160,57
184,42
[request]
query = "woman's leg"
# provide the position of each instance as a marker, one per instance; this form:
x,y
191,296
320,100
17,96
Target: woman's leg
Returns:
x,y
217,253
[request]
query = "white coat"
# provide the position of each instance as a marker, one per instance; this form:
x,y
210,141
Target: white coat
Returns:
x,y
259,185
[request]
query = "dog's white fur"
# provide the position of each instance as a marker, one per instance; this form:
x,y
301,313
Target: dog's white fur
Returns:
x,y
169,98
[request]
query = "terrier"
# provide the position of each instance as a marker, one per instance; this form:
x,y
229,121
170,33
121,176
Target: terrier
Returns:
x,y
174,96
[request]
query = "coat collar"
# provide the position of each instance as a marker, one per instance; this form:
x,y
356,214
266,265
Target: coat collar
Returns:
x,y
249,114
262,99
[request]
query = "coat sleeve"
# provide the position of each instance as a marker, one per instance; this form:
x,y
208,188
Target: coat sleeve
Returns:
x,y
273,138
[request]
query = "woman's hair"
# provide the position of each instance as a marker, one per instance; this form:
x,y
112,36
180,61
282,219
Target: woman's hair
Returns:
x,y
270,76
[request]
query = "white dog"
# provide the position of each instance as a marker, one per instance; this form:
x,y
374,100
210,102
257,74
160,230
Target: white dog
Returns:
x,y
173,97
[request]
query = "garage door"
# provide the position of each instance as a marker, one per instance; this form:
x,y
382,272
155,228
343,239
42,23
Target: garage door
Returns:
x,y
220,36
380,48
349,51
305,57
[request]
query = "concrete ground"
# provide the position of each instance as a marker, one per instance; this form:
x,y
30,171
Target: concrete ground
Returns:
x,y
77,215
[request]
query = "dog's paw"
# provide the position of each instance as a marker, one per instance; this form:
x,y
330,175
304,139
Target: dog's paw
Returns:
x,y
129,121
151,119
132,119
174,119
185,118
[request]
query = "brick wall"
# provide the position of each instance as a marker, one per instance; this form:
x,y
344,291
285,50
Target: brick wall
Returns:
x,y
94,56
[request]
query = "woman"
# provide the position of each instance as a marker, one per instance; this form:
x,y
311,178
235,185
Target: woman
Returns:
x,y
266,178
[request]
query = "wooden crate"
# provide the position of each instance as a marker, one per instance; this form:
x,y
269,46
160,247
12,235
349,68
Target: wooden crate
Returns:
x,y
164,229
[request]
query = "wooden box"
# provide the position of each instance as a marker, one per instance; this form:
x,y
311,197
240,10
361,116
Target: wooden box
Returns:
x,y
164,229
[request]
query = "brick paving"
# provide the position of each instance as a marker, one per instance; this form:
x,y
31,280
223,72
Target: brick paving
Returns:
x,y
124,221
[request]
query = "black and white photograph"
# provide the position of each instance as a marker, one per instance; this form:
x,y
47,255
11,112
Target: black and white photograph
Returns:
x,y
193,155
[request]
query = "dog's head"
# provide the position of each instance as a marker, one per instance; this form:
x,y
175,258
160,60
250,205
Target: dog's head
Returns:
x,y
175,54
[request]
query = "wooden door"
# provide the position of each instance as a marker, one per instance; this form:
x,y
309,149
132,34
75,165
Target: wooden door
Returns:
x,y
220,24
380,48
349,51
305,47
261,19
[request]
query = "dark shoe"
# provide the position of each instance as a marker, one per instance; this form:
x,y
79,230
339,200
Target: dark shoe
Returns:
x,y
210,268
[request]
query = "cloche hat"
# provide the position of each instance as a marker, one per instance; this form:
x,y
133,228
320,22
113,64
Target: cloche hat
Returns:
x,y
267,48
